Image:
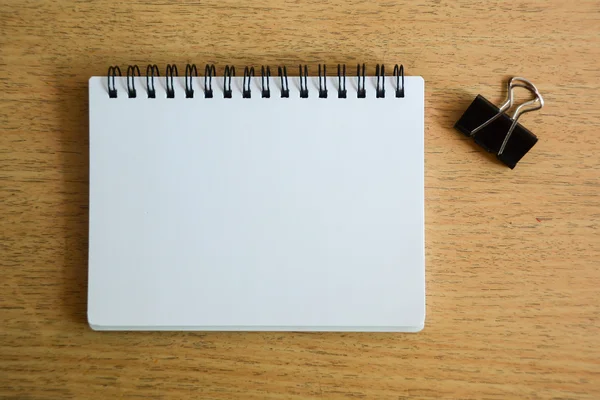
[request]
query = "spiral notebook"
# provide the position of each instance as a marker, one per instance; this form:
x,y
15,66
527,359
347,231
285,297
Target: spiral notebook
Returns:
x,y
256,202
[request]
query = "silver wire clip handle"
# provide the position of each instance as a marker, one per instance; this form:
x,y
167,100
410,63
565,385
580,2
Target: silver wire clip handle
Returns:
x,y
494,130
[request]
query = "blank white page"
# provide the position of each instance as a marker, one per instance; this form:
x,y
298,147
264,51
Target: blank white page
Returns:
x,y
256,214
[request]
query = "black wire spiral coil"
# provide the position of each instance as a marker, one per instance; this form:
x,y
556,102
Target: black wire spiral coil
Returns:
x,y
171,70
150,70
210,72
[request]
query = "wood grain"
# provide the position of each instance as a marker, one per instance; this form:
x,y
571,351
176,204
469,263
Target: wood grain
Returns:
x,y
513,257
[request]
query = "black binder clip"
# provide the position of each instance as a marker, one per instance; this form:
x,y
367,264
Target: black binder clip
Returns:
x,y
495,131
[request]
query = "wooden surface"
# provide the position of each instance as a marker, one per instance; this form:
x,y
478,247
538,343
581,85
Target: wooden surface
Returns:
x,y
513,257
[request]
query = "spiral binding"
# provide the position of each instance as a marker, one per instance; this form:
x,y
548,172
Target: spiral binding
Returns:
x,y
131,70
248,74
361,91
189,89
210,71
323,82
285,89
150,78
265,93
399,72
303,88
112,72
229,72
342,82
380,92
171,70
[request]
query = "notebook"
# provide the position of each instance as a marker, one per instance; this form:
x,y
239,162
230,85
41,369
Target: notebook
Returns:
x,y
256,202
